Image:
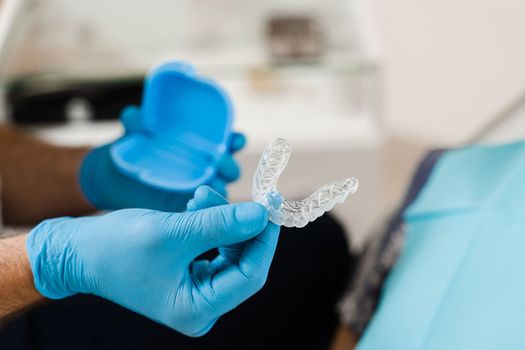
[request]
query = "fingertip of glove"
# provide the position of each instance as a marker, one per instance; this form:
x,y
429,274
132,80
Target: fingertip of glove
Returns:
x,y
252,215
238,141
190,206
201,195
202,192
130,118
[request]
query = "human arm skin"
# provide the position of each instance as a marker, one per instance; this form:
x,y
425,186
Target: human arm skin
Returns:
x,y
39,180
17,290
344,339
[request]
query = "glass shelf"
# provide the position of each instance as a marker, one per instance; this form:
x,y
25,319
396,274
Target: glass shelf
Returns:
x,y
328,74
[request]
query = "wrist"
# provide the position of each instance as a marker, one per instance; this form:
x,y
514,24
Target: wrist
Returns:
x,y
17,290
26,275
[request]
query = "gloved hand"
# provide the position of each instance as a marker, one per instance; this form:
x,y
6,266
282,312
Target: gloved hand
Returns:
x,y
206,197
144,260
107,188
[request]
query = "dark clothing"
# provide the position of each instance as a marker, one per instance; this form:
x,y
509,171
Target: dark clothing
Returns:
x,y
380,255
295,309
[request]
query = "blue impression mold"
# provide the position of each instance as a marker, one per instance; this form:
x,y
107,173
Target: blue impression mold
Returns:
x,y
186,121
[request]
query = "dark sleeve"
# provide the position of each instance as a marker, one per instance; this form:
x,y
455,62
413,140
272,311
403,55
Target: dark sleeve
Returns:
x,y
379,256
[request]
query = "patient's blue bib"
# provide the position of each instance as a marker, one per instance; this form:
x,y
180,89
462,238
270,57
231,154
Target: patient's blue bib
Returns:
x,y
460,280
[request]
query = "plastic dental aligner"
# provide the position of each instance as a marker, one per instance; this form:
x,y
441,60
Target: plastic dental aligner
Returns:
x,y
299,212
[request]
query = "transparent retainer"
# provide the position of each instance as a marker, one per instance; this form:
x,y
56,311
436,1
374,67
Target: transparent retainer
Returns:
x,y
293,213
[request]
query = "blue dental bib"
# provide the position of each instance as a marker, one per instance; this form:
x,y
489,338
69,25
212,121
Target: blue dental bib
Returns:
x,y
185,124
460,280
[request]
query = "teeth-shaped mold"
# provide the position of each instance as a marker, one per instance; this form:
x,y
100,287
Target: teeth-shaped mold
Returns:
x,y
287,212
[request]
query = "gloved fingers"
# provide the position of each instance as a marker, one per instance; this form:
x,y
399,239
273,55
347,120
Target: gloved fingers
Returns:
x,y
130,118
228,168
219,185
237,282
232,252
203,270
205,197
210,228
200,271
237,141
218,264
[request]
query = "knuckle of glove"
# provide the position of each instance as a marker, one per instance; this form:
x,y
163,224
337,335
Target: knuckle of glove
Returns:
x,y
255,277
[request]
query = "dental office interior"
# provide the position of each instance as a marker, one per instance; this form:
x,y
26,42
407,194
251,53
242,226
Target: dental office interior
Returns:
x,y
358,88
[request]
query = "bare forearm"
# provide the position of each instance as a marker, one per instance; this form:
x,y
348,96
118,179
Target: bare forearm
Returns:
x,y
38,180
17,291
343,339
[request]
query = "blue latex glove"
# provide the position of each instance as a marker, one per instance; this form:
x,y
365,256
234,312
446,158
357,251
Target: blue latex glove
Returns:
x,y
206,197
145,261
107,188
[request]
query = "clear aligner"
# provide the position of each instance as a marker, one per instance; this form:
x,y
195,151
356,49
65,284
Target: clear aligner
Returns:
x,y
292,213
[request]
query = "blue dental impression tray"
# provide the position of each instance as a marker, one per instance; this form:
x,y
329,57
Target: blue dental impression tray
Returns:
x,y
186,122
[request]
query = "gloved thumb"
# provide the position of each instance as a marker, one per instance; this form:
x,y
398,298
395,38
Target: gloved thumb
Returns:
x,y
222,225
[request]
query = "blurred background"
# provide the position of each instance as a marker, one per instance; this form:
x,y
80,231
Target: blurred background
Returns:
x,y
359,87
